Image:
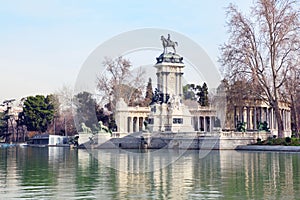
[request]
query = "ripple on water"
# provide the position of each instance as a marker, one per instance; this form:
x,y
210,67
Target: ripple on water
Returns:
x,y
33,174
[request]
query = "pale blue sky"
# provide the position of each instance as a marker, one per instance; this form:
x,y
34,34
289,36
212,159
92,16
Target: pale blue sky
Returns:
x,y
44,43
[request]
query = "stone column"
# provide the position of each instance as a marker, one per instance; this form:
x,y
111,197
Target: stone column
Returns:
x,y
284,119
255,119
158,81
212,123
271,118
248,118
244,109
251,118
167,91
204,124
163,84
177,84
267,115
275,120
180,84
287,119
130,124
199,125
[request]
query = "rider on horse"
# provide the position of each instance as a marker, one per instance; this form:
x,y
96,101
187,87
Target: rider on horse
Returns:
x,y
168,43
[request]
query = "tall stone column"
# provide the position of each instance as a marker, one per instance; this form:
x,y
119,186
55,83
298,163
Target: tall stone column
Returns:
x,y
271,118
248,118
267,115
251,118
245,117
130,124
165,84
284,119
167,89
180,84
198,122
255,119
176,83
211,122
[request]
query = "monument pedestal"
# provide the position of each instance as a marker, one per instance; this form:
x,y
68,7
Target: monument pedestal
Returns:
x,y
169,114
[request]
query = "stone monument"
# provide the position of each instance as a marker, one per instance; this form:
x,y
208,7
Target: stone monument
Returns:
x,y
168,113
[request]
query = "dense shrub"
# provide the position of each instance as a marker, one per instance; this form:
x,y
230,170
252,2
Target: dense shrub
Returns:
x,y
279,141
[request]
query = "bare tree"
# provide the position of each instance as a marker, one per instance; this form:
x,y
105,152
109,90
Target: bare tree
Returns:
x,y
293,90
118,81
64,122
261,49
65,97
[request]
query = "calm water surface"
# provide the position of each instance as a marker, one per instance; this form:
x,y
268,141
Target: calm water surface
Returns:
x,y
62,173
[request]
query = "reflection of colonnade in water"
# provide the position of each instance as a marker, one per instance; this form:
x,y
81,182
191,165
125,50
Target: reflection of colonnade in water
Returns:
x,y
221,174
253,175
142,173
259,175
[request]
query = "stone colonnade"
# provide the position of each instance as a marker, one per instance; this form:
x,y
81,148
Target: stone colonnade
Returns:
x,y
203,119
135,123
253,115
203,123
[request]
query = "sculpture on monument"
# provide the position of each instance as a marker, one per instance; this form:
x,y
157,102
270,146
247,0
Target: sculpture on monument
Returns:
x,y
85,129
168,43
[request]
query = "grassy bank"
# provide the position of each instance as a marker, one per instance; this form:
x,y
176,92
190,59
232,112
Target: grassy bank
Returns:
x,y
279,141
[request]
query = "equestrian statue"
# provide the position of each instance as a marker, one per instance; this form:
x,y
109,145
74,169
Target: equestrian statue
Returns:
x,y
168,43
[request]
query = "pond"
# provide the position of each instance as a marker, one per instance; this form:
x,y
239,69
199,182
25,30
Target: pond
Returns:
x,y
63,173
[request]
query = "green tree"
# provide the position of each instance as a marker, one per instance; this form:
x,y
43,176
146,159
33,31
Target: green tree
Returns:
x,y
188,92
7,125
3,125
149,93
38,112
197,93
203,95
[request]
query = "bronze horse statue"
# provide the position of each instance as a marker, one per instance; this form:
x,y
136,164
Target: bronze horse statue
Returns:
x,y
168,43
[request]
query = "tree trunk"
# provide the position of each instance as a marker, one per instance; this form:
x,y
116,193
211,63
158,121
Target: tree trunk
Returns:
x,y
279,120
294,117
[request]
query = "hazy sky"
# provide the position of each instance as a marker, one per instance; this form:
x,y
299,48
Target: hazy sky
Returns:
x,y
44,43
